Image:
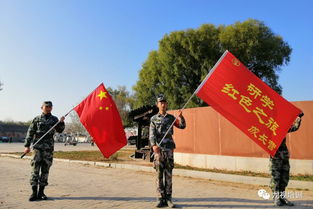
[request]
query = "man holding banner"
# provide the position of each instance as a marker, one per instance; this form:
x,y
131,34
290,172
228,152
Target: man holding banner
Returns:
x,y
279,168
257,110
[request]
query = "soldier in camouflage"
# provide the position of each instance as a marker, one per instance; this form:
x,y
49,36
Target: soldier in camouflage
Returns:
x,y
163,153
43,150
279,169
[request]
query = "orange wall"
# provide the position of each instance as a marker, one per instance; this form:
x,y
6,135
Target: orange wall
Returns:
x,y
208,132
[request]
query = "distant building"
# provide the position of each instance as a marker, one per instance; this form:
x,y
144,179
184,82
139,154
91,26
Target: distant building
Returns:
x,y
13,130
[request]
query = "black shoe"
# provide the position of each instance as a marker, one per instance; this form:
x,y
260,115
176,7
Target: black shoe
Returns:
x,y
169,201
286,202
33,196
41,195
277,199
161,203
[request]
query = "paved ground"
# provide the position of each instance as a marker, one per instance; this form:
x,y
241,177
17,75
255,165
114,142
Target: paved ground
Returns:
x,y
78,186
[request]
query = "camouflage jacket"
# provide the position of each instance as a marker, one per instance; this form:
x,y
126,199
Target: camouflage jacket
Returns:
x,y
282,151
39,126
159,124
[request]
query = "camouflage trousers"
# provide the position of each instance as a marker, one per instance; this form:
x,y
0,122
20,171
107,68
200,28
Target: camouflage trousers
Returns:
x,y
41,163
279,169
164,164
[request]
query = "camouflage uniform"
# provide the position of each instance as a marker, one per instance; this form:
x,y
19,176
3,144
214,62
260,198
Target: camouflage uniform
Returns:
x,y
164,161
43,151
280,167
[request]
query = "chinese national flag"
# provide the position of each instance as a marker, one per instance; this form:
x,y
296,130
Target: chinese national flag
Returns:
x,y
247,102
99,115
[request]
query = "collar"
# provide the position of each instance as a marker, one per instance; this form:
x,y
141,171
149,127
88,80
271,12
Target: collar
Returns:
x,y
160,115
45,115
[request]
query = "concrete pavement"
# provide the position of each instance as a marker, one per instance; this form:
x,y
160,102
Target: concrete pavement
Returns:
x,y
75,185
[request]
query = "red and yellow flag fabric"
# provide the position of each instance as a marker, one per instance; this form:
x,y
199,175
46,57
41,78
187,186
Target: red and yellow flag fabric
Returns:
x,y
247,102
99,115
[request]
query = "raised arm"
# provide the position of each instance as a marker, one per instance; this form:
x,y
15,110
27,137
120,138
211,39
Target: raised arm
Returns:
x,y
180,122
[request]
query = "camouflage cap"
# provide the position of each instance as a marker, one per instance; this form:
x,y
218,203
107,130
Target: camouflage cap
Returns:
x,y
47,103
161,98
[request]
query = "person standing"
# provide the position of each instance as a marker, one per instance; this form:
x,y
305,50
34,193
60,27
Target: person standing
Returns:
x,y
43,150
280,168
163,153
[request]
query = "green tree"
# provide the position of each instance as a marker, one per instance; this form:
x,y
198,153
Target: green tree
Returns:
x,y
1,84
124,103
185,57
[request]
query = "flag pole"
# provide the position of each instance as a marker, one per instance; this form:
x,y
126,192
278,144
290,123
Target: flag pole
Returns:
x,y
196,91
32,146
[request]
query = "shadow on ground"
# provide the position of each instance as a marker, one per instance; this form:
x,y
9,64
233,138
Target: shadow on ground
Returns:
x,y
183,202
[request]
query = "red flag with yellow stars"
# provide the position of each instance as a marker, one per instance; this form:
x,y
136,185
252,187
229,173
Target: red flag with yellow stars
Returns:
x,y
99,115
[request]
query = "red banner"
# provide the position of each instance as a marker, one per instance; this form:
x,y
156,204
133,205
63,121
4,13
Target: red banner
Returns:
x,y
99,115
247,102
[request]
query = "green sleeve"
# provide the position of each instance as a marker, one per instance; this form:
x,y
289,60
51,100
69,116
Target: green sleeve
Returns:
x,y
30,133
152,134
60,127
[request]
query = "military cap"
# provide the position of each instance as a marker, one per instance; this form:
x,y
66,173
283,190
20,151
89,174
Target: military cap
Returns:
x,y
47,103
161,98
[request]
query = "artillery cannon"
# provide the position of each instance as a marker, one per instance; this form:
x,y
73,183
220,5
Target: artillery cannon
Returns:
x,y
142,117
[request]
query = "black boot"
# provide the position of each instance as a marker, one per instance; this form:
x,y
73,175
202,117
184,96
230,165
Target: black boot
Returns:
x,y
169,201
277,199
41,194
161,202
284,200
33,196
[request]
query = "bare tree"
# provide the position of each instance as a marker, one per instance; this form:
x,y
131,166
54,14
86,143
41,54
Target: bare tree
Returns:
x,y
76,126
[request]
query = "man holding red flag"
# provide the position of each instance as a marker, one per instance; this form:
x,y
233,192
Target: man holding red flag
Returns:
x,y
99,115
43,145
161,129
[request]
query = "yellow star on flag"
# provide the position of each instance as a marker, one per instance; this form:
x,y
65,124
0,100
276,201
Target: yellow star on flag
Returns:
x,y
102,94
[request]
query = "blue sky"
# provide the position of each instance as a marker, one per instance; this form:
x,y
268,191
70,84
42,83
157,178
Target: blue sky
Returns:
x,y
61,50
